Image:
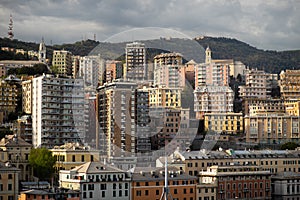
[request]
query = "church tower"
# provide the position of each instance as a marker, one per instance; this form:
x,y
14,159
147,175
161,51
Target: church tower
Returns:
x,y
207,55
42,52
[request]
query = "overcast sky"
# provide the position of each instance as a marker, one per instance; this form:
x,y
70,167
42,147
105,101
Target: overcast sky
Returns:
x,y
265,24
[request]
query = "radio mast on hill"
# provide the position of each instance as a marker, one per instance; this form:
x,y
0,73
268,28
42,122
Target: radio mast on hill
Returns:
x,y
10,28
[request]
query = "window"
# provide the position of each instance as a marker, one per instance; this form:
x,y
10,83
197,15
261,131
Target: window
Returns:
x,y
84,195
1,187
103,193
103,187
114,193
157,192
138,193
146,192
191,190
9,176
126,193
184,191
147,184
91,194
114,186
175,191
120,193
92,158
9,186
157,183
73,158
82,158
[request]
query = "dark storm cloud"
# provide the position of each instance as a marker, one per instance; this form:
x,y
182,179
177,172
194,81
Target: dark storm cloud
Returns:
x,y
269,24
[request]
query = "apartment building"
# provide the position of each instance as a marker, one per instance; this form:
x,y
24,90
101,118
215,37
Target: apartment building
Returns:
x,y
234,181
216,71
169,71
8,96
286,185
167,124
135,57
272,128
253,106
62,62
165,97
97,180
225,123
275,161
116,114
89,69
27,96
23,128
9,182
292,107
148,183
71,155
57,111
258,84
15,150
75,66
290,84
211,99
113,70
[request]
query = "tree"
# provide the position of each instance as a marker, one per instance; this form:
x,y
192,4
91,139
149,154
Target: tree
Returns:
x,y
42,162
289,146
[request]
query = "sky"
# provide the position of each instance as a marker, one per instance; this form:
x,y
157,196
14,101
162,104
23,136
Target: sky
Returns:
x,y
265,24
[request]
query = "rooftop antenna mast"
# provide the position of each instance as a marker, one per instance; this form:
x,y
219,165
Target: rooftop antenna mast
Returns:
x,y
166,193
10,28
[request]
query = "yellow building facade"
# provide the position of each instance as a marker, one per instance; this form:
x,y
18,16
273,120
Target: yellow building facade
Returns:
x,y
70,155
228,123
165,97
290,84
272,128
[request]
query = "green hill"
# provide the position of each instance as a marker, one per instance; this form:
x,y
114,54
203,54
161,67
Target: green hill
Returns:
x,y
222,48
270,61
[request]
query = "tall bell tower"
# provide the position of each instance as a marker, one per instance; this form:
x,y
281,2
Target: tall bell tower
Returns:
x,y
207,55
42,52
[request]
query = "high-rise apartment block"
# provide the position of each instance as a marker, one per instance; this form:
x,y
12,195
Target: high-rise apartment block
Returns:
x,y
62,62
75,66
258,84
136,68
169,70
27,96
89,70
57,111
290,84
116,106
8,97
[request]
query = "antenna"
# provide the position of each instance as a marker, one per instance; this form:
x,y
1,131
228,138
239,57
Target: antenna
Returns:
x,y
10,28
165,192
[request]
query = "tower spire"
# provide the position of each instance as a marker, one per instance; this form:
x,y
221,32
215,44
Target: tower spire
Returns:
x,y
10,28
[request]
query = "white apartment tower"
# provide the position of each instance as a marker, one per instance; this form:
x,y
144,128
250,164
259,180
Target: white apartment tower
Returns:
x,y
57,111
89,69
135,61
